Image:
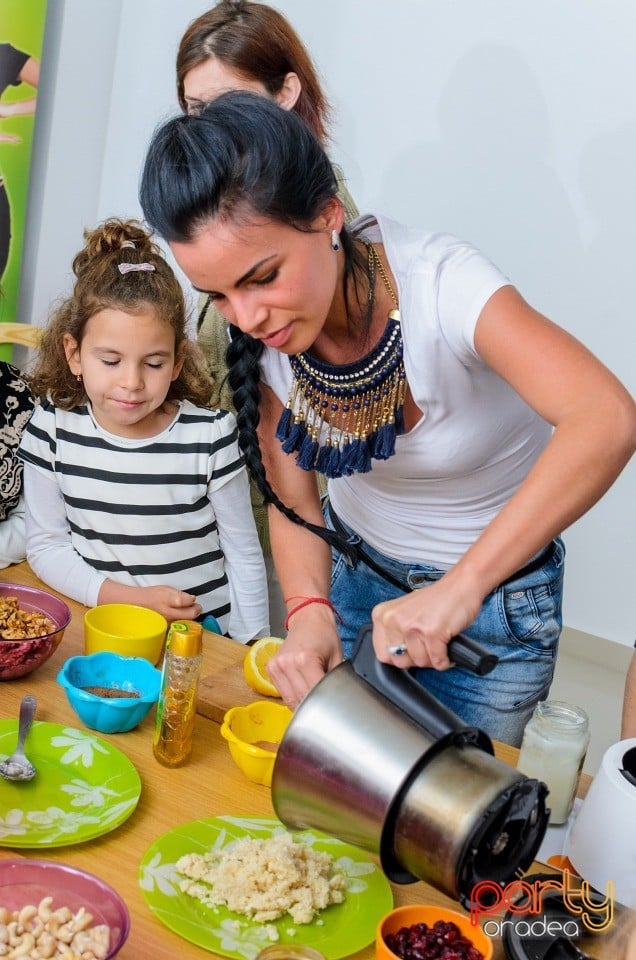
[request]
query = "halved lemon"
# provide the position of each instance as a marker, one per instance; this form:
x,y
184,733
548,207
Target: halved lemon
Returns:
x,y
255,665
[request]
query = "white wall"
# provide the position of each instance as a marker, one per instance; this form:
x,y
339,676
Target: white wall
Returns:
x,y
510,124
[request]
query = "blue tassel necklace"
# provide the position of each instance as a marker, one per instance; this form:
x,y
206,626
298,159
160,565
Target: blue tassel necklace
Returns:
x,y
339,418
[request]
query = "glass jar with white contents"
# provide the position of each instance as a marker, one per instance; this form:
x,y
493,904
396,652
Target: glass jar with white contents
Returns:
x,y
554,745
289,951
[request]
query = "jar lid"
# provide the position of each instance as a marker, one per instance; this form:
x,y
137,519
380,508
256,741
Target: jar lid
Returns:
x,y
185,638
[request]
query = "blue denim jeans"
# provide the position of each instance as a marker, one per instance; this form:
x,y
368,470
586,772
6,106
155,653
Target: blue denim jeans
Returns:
x,y
519,622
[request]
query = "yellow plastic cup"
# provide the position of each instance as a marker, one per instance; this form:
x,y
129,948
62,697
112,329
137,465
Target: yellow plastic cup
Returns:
x,y
126,629
253,733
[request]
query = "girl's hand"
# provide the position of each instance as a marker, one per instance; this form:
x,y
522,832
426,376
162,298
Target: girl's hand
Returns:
x,y
424,621
311,649
172,603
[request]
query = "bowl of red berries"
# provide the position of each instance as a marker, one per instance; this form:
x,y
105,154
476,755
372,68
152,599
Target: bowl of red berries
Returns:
x,y
428,932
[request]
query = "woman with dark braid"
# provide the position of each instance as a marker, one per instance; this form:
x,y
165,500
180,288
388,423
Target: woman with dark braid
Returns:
x,y
460,429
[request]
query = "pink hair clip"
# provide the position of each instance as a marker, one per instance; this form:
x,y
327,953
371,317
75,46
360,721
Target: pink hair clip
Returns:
x,y
129,267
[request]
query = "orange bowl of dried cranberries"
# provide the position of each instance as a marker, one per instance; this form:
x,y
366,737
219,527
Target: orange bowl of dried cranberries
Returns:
x,y
427,932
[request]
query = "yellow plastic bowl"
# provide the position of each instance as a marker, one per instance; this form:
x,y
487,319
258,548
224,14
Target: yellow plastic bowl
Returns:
x,y
125,629
428,914
249,730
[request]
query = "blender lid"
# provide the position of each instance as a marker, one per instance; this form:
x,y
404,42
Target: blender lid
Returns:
x,y
560,949
520,943
505,839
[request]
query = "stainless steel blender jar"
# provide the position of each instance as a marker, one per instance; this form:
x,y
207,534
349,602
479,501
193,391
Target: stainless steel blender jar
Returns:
x,y
374,759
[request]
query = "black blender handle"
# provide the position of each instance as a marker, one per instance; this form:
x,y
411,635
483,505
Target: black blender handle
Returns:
x,y
468,653
402,689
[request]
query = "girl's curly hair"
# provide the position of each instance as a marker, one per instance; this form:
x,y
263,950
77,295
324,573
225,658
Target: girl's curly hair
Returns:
x,y
100,285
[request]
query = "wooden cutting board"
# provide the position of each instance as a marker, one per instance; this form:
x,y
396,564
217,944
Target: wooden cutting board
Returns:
x,y
224,686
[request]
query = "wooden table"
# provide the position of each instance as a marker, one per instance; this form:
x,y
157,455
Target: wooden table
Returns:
x,y
208,785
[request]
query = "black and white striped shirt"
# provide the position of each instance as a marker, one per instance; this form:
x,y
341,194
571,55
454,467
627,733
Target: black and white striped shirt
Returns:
x,y
141,511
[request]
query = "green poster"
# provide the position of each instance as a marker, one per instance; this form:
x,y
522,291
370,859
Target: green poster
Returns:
x,y
21,36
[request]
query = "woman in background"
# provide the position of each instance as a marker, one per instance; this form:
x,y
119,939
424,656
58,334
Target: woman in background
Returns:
x,y
239,45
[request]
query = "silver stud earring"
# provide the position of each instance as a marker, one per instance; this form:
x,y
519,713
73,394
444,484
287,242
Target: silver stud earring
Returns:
x,y
335,240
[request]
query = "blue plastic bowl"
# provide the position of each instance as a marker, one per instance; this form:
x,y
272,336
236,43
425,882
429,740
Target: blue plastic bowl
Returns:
x,y
106,714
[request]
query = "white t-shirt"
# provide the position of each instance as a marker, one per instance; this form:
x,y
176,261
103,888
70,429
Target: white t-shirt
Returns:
x,y
477,439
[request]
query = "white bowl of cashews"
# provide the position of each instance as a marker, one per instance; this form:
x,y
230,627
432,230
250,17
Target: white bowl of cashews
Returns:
x,y
51,910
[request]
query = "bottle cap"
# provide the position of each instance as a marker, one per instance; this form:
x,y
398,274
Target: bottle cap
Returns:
x,y
185,638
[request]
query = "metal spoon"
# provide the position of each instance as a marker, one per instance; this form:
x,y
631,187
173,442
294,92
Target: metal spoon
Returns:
x,y
17,766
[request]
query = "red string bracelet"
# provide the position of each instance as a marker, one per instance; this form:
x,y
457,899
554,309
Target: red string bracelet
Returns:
x,y
305,603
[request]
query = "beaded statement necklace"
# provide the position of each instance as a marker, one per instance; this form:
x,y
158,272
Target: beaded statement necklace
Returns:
x,y
339,418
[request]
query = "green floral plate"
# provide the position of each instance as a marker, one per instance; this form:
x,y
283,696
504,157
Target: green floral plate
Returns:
x,y
337,931
84,787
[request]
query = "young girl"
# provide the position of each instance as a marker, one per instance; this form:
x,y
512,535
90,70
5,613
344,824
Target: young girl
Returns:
x,y
135,493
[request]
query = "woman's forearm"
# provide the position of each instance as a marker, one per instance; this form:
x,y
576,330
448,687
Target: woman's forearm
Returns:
x,y
303,561
586,453
594,437
312,647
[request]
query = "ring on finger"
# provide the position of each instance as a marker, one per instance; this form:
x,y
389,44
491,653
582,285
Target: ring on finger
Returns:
x,y
397,649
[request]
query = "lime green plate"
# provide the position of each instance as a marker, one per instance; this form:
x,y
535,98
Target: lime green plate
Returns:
x,y
337,931
84,787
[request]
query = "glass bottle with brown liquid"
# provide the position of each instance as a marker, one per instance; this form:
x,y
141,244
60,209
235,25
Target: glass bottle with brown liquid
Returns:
x,y
177,705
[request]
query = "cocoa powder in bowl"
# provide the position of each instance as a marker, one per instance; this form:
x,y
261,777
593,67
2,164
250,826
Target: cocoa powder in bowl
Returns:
x,y
111,693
